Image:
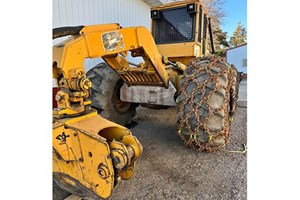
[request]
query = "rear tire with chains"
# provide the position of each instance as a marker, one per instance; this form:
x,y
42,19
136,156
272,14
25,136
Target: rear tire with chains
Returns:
x,y
206,101
105,95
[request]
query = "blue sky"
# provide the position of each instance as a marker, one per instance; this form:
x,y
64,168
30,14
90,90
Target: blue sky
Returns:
x,y
236,11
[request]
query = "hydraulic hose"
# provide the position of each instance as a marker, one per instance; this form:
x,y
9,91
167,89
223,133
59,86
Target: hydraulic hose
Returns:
x,y
65,31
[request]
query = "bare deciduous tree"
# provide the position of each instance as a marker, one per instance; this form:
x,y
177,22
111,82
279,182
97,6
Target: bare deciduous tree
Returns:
x,y
214,8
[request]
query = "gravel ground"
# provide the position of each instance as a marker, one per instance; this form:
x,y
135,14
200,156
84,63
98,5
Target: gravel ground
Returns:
x,y
169,170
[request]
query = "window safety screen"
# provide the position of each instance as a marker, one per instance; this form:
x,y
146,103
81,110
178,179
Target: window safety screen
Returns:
x,y
174,25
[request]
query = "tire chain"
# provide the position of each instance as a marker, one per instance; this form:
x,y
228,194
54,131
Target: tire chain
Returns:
x,y
231,95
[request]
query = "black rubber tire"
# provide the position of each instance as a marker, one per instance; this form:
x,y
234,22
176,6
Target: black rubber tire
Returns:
x,y
65,188
58,193
105,95
218,122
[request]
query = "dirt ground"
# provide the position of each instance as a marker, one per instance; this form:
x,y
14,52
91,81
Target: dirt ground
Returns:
x,y
169,170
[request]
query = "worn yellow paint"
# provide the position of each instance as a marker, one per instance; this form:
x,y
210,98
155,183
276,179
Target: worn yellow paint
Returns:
x,y
81,148
183,52
186,49
70,55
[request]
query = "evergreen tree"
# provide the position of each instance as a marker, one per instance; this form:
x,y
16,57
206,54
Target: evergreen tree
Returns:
x,y
239,36
216,13
220,42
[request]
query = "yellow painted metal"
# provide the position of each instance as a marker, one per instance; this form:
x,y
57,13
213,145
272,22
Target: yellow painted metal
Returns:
x,y
111,42
183,52
120,154
81,151
70,77
190,49
90,44
71,158
183,60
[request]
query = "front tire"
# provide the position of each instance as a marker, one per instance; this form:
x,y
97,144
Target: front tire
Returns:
x,y
205,103
105,95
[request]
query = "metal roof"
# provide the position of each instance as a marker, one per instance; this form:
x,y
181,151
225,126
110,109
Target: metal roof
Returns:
x,y
154,3
230,48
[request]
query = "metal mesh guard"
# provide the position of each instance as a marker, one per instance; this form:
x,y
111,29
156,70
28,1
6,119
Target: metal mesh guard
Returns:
x,y
174,25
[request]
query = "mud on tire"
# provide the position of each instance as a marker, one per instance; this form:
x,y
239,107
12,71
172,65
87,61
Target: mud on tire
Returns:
x,y
105,95
206,103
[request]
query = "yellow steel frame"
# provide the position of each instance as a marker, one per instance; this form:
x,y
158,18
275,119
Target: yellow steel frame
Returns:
x,y
185,51
112,43
70,55
82,151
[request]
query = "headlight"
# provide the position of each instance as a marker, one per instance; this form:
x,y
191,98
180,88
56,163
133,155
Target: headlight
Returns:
x,y
112,40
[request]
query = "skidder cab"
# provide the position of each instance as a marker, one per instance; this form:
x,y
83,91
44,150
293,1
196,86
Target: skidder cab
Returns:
x,y
180,30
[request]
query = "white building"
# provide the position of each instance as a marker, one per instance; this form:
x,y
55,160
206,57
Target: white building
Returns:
x,y
87,12
238,57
